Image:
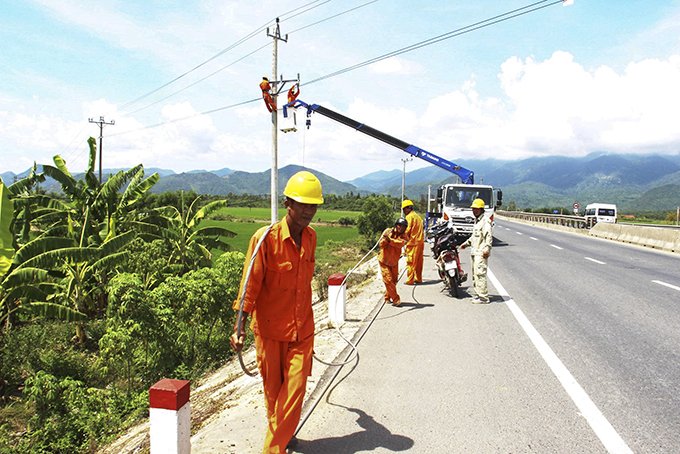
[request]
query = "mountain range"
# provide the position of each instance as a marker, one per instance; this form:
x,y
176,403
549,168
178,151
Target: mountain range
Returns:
x,y
634,182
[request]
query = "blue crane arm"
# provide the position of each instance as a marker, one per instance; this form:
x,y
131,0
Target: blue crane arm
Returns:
x,y
466,175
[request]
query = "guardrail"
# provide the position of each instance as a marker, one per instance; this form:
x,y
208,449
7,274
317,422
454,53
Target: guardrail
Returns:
x,y
577,222
666,239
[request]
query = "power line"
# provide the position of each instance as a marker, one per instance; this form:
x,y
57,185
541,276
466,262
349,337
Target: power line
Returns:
x,y
222,52
461,31
200,80
454,33
333,17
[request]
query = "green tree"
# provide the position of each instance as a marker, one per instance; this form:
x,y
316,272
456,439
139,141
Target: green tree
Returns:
x,y
375,218
191,245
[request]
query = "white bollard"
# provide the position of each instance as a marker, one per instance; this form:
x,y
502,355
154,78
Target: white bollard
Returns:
x,y
170,417
337,299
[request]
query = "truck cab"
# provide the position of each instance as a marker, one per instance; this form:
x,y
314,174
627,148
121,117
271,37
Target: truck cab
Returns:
x,y
454,200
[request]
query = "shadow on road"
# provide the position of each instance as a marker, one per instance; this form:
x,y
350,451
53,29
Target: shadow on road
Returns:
x,y
373,436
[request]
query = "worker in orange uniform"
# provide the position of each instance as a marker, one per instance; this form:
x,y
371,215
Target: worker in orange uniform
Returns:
x,y
279,296
267,95
415,245
293,93
391,242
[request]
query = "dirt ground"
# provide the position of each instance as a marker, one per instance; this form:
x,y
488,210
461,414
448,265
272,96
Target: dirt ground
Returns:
x,y
227,407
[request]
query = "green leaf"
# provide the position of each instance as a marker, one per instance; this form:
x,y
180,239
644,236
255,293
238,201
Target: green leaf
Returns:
x,y
68,183
114,244
206,211
21,276
92,143
6,237
213,231
55,258
41,245
54,310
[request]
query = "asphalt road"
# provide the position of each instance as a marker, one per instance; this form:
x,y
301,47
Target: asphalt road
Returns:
x,y
579,352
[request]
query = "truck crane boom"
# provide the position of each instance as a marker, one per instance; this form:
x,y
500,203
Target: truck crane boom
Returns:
x,y
467,176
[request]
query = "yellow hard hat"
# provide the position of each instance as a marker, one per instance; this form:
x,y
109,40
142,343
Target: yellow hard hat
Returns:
x,y
406,203
477,203
304,187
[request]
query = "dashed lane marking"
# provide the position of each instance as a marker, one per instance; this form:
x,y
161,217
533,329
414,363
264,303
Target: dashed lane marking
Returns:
x,y
535,239
556,247
600,425
674,287
593,260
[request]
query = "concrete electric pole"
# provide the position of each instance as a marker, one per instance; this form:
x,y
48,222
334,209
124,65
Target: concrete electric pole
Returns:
x,y
101,124
275,138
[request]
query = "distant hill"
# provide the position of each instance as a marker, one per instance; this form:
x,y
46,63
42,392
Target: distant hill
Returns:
x,y
560,181
634,182
238,182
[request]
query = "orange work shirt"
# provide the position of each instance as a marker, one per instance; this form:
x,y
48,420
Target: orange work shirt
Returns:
x,y
279,294
414,229
390,251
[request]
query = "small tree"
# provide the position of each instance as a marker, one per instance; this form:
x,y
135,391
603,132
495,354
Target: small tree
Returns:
x,y
376,217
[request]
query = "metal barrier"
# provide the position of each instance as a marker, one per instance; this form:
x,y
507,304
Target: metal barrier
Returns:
x,y
577,222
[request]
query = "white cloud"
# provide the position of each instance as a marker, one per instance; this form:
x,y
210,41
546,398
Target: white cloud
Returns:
x,y
558,107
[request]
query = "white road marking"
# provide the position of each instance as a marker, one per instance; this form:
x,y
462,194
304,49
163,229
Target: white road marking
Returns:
x,y
593,260
674,287
519,233
535,239
556,247
611,440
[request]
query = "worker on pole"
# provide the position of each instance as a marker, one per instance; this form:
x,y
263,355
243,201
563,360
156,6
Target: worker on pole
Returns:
x,y
415,246
279,296
267,94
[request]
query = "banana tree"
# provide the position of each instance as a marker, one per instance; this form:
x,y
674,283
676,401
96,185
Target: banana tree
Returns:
x,y
77,274
191,243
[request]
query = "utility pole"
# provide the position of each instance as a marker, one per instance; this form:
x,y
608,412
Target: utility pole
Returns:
x,y
101,124
403,177
275,138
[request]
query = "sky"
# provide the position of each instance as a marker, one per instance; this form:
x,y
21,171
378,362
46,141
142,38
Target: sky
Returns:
x,y
180,80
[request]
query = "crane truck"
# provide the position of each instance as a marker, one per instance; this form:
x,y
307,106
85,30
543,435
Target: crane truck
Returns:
x,y
453,199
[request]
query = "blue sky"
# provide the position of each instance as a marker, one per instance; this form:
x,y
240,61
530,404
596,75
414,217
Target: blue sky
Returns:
x,y
595,76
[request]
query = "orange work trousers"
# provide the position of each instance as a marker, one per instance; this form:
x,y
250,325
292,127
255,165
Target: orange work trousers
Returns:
x,y
390,275
285,367
414,263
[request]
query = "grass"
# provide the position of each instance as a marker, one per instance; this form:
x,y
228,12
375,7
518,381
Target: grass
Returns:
x,y
247,226
264,214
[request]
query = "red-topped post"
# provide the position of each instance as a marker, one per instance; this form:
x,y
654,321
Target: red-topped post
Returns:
x,y
337,296
170,417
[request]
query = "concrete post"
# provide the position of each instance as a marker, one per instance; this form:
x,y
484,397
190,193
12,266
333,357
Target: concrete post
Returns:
x,y
170,417
337,299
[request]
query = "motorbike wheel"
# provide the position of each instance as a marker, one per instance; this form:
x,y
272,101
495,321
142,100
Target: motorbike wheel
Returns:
x,y
453,284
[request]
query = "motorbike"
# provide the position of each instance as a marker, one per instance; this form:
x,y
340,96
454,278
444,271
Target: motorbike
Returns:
x,y
445,250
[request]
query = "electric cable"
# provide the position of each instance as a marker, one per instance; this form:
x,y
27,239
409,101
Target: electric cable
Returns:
x,y
220,53
482,24
200,80
232,63
239,319
332,17
452,34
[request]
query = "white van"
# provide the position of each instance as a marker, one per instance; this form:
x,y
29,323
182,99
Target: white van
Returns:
x,y
601,212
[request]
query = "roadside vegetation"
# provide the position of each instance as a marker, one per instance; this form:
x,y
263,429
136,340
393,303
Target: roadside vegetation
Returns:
x,y
106,288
